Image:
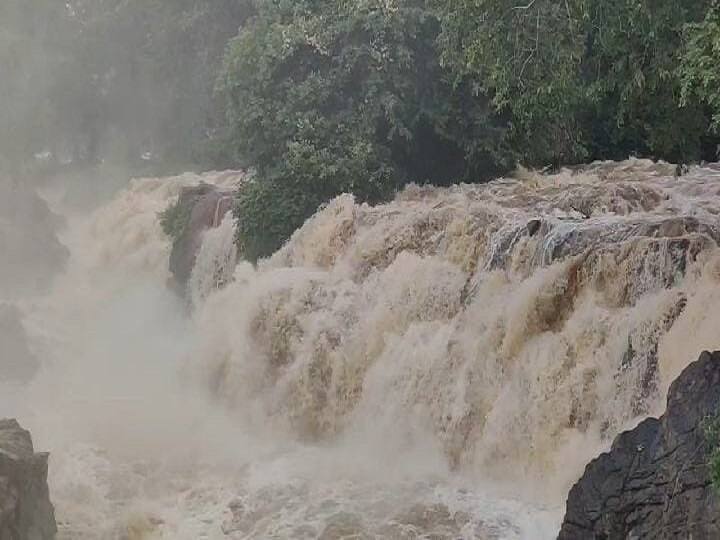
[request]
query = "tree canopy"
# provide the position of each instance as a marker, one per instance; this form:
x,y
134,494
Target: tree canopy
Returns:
x,y
325,97
698,71
582,79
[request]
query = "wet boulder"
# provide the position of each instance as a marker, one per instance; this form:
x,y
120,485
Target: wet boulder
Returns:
x,y
198,209
655,480
26,512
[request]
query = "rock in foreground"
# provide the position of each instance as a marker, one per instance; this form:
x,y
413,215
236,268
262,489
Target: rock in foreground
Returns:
x,y
25,509
655,482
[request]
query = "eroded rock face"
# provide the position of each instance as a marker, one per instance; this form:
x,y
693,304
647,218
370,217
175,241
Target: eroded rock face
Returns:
x,y
25,509
654,482
206,205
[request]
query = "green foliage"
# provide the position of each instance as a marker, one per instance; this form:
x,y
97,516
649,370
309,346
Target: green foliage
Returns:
x,y
628,73
525,57
581,79
330,96
699,72
262,227
711,428
175,219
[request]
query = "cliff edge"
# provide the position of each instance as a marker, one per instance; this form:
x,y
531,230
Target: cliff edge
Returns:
x,y
655,480
25,509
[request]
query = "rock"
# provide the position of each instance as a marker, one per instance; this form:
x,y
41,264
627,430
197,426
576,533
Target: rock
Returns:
x,y
30,252
533,226
25,509
17,363
206,206
655,482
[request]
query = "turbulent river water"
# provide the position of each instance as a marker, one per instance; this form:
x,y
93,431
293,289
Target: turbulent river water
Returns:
x,y
441,366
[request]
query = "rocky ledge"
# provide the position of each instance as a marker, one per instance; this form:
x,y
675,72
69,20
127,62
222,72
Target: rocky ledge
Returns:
x,y
25,509
655,481
206,206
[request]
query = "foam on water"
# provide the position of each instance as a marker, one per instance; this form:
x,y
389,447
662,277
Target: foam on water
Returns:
x,y
441,366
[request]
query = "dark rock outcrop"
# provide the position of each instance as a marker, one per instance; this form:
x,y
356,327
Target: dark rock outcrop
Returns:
x,y
655,482
206,206
25,509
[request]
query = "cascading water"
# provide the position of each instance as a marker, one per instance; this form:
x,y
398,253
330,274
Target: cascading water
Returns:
x,y
440,366
215,261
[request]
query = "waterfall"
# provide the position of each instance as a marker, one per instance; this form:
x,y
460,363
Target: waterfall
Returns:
x,y
216,259
443,364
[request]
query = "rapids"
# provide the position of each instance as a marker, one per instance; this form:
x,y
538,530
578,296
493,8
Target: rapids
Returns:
x,y
440,366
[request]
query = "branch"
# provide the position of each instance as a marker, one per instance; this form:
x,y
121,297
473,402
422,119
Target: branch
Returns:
x,y
533,51
525,7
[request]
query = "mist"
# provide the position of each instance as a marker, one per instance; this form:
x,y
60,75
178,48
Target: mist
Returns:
x,y
346,269
129,84
93,93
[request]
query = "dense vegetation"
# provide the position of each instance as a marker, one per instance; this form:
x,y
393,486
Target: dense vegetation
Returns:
x,y
711,430
327,96
319,97
582,79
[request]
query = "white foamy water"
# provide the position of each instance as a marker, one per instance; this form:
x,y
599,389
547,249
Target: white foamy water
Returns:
x,y
441,366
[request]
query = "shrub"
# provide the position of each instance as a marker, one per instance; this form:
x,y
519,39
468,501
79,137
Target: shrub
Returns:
x,y
698,71
584,79
175,219
711,428
328,96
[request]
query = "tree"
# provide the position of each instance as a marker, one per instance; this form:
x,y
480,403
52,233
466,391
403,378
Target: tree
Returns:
x,y
525,58
628,72
332,96
698,71
580,79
